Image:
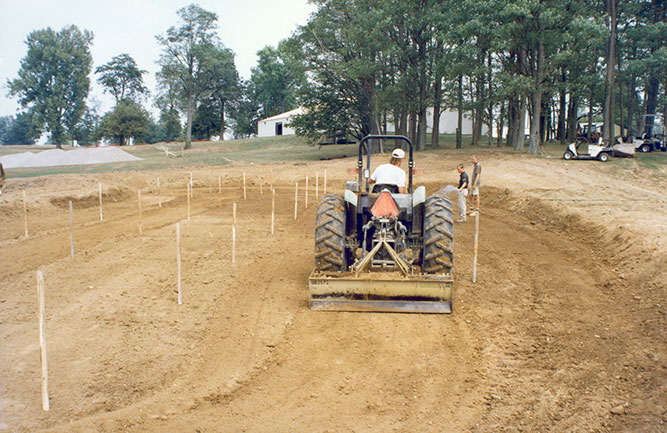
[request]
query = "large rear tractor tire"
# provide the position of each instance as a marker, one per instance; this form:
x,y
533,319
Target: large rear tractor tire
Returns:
x,y
330,235
438,252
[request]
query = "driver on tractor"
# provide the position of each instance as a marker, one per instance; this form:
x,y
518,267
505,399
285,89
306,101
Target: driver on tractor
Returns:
x,y
391,174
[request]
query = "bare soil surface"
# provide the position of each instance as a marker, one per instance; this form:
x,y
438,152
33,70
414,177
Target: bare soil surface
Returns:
x,y
564,330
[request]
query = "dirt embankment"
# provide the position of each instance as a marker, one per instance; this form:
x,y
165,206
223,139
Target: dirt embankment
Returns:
x,y
563,331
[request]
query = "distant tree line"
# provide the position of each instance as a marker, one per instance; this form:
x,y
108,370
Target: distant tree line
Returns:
x,y
359,65
373,62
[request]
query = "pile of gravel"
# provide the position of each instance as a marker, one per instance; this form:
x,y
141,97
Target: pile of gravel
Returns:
x,y
50,158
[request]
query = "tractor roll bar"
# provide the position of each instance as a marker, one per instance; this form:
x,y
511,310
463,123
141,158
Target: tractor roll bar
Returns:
x,y
363,144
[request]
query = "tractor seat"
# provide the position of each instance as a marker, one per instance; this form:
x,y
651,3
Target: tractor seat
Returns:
x,y
378,187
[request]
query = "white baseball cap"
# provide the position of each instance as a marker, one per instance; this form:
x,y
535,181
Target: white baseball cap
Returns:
x,y
398,153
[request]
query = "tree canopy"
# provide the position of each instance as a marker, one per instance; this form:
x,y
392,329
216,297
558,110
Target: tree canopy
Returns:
x,y
122,78
53,81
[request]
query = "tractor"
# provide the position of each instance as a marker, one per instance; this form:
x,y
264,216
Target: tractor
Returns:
x,y
380,250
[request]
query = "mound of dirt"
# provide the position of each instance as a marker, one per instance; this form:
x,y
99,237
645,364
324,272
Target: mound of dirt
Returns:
x,y
54,157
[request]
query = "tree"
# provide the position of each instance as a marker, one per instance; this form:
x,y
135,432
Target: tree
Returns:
x,y
122,78
272,83
244,113
127,119
222,80
168,102
185,48
53,80
340,48
84,131
17,130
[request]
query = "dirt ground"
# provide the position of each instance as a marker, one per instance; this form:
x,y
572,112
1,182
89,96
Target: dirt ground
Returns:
x,y
564,330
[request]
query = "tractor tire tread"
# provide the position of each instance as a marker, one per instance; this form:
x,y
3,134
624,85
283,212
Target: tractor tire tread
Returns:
x,y
330,234
438,250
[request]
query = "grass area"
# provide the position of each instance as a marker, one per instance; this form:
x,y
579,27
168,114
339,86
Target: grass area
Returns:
x,y
287,149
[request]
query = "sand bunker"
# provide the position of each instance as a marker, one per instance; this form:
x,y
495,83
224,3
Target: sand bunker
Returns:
x,y
49,158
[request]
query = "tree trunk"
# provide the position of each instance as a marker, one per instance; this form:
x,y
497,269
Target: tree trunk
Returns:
x,y
188,128
222,119
459,107
651,103
478,114
620,104
608,128
590,115
421,129
435,134
572,110
521,132
562,107
631,106
403,122
534,142
500,125
488,96
413,126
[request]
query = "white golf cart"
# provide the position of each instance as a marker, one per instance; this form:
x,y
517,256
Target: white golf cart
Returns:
x,y
588,151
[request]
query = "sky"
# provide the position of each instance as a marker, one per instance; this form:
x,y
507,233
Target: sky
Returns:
x,y
130,26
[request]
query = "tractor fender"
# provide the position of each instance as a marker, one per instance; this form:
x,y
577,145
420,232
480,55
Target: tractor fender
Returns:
x,y
350,197
418,196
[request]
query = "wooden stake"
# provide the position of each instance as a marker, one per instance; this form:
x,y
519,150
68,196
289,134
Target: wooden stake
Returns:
x,y
42,340
159,196
71,229
261,185
325,182
140,213
192,193
178,262
189,190
296,198
244,191
317,184
273,210
25,215
101,217
234,234
474,263
306,200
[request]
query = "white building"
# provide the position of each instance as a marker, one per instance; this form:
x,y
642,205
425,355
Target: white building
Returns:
x,y
278,124
448,123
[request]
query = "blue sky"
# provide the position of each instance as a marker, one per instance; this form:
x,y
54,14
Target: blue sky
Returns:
x,y
130,26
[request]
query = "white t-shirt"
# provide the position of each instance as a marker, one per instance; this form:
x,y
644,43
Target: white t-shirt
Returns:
x,y
389,174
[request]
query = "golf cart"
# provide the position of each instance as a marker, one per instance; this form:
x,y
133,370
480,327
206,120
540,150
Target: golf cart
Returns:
x,y
588,151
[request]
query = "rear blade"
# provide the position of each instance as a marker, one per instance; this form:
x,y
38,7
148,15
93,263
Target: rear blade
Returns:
x,y
382,292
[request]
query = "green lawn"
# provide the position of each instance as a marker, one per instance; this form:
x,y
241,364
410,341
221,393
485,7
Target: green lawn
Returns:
x,y
289,149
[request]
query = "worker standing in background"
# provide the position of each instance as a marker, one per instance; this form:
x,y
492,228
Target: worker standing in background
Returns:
x,y
474,185
463,193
